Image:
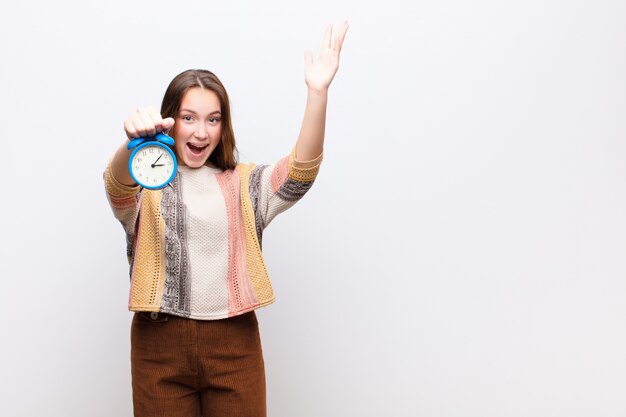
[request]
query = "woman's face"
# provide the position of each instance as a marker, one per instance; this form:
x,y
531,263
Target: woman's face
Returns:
x,y
198,127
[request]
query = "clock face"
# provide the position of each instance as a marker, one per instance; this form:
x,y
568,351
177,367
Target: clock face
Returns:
x,y
152,165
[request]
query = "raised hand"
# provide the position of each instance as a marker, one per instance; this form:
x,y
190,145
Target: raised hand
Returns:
x,y
318,74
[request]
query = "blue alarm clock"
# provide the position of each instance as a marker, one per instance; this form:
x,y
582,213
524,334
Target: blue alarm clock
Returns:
x,y
152,164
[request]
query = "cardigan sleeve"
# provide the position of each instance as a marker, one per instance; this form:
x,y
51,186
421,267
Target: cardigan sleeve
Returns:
x,y
124,201
275,188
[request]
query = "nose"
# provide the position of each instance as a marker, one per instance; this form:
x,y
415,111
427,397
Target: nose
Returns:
x,y
202,132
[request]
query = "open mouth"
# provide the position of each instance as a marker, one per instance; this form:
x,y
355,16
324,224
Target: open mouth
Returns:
x,y
196,150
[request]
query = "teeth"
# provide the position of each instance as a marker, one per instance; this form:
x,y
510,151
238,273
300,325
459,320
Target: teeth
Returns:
x,y
191,145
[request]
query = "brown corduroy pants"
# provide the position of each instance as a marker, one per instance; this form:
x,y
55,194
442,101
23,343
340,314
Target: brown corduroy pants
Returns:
x,y
192,368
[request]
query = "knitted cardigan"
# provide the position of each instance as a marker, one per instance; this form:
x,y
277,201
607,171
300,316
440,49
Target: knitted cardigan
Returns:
x,y
152,220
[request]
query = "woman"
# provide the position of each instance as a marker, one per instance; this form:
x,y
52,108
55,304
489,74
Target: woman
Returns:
x,y
197,271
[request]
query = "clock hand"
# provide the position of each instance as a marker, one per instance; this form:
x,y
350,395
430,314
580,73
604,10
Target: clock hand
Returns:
x,y
157,160
157,165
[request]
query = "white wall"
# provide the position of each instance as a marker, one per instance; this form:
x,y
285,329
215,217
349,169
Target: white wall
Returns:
x,y
463,252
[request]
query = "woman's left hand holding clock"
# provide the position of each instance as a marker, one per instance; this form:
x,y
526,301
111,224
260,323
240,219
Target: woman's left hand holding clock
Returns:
x,y
146,122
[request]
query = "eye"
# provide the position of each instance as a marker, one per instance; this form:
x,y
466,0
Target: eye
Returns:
x,y
186,118
215,120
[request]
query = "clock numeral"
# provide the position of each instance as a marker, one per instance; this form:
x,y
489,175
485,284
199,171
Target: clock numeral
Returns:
x,y
151,150
138,159
143,153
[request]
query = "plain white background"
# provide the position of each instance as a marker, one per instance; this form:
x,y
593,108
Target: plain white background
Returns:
x,y
463,252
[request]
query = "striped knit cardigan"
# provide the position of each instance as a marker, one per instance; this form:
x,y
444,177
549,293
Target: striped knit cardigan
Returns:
x,y
253,196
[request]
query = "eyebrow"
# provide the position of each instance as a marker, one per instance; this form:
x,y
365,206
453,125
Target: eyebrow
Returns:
x,y
213,113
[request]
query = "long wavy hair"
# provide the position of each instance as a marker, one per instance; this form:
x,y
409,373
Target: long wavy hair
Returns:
x,y
225,154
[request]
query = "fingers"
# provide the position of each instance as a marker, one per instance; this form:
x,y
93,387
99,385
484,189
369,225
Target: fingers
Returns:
x,y
326,43
167,124
146,122
341,34
308,59
333,39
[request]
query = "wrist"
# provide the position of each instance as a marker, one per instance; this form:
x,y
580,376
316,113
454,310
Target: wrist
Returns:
x,y
317,92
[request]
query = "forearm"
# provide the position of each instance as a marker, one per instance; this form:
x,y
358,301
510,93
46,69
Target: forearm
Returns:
x,y
119,166
311,138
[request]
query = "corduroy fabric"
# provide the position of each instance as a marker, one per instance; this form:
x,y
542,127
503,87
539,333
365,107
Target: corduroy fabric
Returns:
x,y
190,368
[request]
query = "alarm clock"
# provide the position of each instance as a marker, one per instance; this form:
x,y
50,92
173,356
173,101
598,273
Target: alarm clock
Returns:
x,y
152,163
